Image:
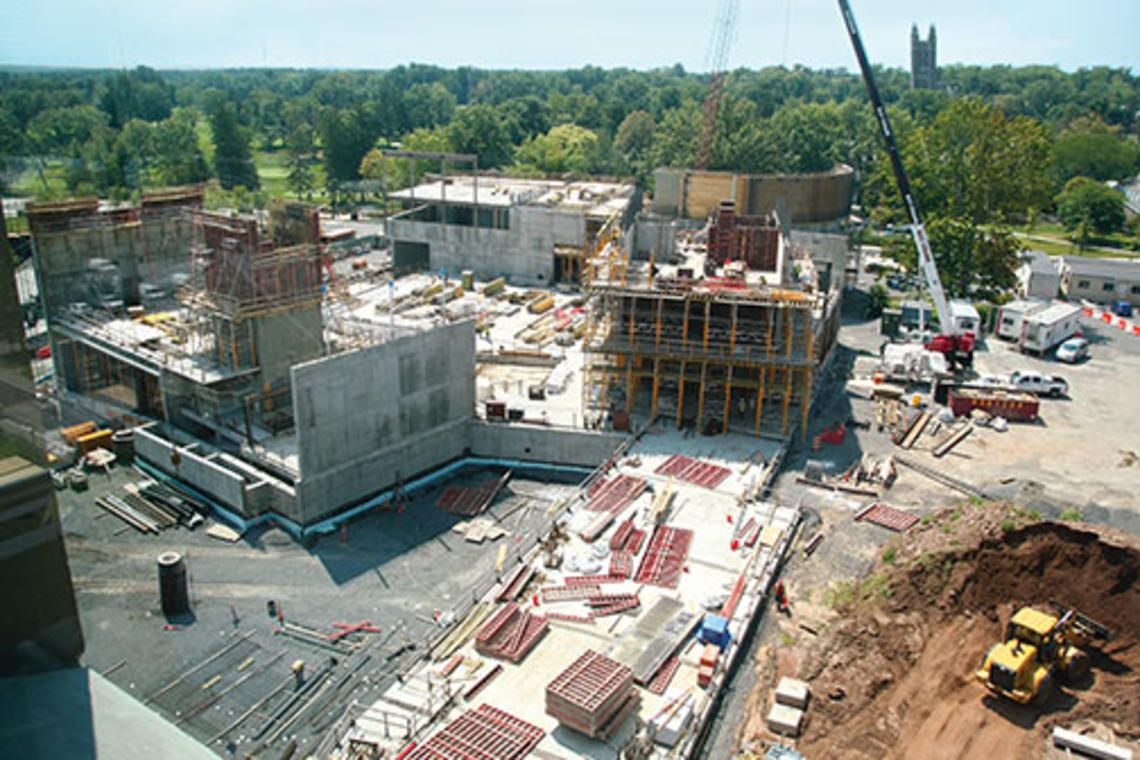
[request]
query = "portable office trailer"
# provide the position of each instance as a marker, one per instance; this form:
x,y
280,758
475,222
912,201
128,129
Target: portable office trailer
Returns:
x,y
1049,327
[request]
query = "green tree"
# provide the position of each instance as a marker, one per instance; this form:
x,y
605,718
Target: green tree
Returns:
x,y
347,135
1088,147
139,94
971,258
233,161
972,163
634,140
178,158
428,105
1087,205
565,148
397,173
302,158
480,129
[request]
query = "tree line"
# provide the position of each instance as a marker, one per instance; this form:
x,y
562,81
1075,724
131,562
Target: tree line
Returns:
x,y
993,145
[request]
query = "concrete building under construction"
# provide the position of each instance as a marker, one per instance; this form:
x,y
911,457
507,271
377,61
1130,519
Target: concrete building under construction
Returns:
x,y
730,337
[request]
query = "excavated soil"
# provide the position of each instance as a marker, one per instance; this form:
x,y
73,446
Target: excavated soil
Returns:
x,y
893,675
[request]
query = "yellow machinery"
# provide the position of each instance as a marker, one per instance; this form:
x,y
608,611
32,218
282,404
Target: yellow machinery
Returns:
x,y
1038,648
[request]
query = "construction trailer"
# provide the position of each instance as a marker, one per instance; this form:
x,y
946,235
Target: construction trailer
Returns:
x,y
728,339
1049,327
1012,315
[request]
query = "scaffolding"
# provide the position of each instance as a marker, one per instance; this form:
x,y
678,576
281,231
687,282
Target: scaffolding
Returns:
x,y
707,350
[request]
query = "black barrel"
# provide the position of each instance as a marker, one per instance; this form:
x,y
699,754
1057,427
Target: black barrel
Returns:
x,y
172,586
123,442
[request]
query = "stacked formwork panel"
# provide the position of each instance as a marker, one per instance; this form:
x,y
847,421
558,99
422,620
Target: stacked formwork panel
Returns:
x,y
594,695
706,351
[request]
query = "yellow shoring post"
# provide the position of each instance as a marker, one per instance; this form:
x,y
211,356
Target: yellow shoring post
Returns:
x,y
701,396
787,396
632,316
656,388
680,392
705,339
760,398
732,333
685,325
806,403
660,307
727,398
629,388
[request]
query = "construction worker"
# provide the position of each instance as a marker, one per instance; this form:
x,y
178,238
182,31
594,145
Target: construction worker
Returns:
x,y
781,596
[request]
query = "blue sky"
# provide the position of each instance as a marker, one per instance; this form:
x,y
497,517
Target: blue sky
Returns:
x,y
551,34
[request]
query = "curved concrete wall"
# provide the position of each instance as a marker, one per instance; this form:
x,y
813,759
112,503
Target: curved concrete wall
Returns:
x,y
811,198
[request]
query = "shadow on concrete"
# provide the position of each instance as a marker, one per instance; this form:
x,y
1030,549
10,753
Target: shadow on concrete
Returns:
x,y
413,540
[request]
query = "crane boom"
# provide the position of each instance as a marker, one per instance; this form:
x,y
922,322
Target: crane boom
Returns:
x,y
719,46
917,229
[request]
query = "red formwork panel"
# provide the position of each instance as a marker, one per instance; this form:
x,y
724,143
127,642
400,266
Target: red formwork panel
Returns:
x,y
888,517
665,557
570,593
616,494
485,733
467,501
621,535
588,694
621,564
664,674
511,633
636,539
591,580
692,470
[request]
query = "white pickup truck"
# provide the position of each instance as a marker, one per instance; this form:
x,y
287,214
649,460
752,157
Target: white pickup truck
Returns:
x,y
1039,383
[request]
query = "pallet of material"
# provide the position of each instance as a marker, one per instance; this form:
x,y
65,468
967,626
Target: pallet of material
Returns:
x,y
511,633
591,695
665,558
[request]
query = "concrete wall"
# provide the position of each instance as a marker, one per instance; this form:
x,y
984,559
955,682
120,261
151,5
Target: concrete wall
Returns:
x,y
539,444
287,338
811,198
524,253
155,251
224,485
365,417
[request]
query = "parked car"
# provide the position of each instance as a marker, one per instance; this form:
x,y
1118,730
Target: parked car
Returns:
x,y
1039,383
1122,308
1073,350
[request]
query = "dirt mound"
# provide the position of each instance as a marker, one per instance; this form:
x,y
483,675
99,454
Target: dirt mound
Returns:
x,y
895,678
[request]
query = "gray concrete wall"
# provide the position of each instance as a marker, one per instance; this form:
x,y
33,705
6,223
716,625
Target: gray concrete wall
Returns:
x,y
524,253
668,191
539,444
155,251
213,479
287,338
365,416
